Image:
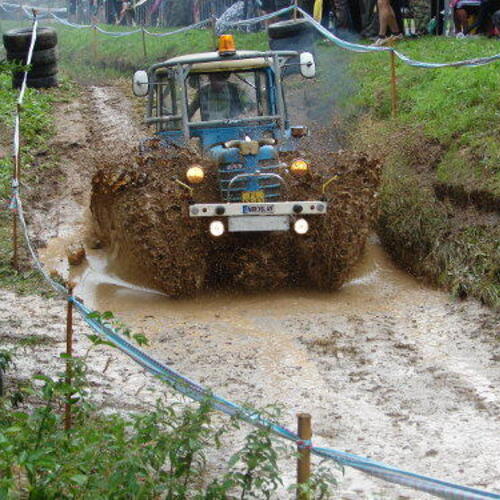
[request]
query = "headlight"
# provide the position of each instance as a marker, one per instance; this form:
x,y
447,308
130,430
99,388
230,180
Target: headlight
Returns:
x,y
217,228
299,168
195,174
301,226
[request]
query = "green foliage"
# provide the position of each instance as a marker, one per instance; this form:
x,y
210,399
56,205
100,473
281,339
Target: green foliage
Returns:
x,y
459,107
258,474
158,454
321,484
36,130
107,319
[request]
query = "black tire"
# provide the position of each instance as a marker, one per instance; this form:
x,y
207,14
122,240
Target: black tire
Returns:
x,y
19,40
287,29
38,71
44,56
43,82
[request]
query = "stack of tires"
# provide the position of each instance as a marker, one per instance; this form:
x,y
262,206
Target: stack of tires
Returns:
x,y
43,71
294,34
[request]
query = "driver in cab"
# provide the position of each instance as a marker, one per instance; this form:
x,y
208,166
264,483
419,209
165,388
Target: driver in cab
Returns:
x,y
219,99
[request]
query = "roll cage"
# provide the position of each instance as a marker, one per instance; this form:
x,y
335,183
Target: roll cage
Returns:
x,y
172,76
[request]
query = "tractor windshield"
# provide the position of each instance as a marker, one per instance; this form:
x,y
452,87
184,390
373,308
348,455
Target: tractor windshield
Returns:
x,y
220,96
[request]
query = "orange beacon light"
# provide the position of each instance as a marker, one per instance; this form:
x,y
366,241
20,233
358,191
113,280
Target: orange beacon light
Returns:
x,y
227,47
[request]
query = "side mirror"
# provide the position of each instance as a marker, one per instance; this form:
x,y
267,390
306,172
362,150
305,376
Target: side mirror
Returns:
x,y
140,84
307,65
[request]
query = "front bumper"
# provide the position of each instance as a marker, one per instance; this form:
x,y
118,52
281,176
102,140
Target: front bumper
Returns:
x,y
256,217
258,209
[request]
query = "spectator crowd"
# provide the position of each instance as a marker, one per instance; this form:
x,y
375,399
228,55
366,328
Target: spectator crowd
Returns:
x,y
383,20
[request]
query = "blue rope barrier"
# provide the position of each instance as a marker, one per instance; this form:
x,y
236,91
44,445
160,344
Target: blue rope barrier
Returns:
x,y
353,47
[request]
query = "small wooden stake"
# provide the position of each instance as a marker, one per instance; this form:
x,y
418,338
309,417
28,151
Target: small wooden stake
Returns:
x,y
394,89
144,42
304,431
69,352
94,43
295,13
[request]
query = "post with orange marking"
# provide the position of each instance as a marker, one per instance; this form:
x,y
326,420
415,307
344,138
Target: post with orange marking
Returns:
x,y
394,89
69,354
304,430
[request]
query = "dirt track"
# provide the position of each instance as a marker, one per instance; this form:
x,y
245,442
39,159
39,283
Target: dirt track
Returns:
x,y
388,368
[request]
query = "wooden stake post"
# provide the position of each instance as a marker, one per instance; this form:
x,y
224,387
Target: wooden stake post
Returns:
x,y
69,352
94,41
144,42
304,461
394,89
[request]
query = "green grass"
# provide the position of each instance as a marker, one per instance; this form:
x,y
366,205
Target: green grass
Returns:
x,y
447,132
457,107
36,130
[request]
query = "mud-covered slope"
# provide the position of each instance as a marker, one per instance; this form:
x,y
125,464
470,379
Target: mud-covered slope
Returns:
x,y
142,213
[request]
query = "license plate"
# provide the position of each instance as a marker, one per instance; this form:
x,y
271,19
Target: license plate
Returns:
x,y
251,223
252,197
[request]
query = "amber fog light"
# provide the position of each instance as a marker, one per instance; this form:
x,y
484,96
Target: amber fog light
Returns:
x,y
195,174
299,168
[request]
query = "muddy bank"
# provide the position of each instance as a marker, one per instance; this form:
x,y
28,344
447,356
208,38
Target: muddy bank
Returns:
x,y
446,233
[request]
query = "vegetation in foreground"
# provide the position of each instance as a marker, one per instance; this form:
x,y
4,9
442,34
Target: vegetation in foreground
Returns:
x,y
440,198
158,454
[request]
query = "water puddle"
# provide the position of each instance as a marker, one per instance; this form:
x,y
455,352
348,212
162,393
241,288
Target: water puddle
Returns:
x,y
375,283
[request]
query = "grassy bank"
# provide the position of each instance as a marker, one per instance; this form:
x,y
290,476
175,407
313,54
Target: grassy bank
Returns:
x,y
440,199
36,130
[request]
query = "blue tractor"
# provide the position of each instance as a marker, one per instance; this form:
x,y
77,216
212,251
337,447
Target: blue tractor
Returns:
x,y
232,104
219,197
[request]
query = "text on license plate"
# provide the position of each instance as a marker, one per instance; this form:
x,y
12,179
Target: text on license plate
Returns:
x,y
257,209
252,197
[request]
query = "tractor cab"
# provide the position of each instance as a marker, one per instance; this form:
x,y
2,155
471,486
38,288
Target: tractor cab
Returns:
x,y
233,102
199,95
